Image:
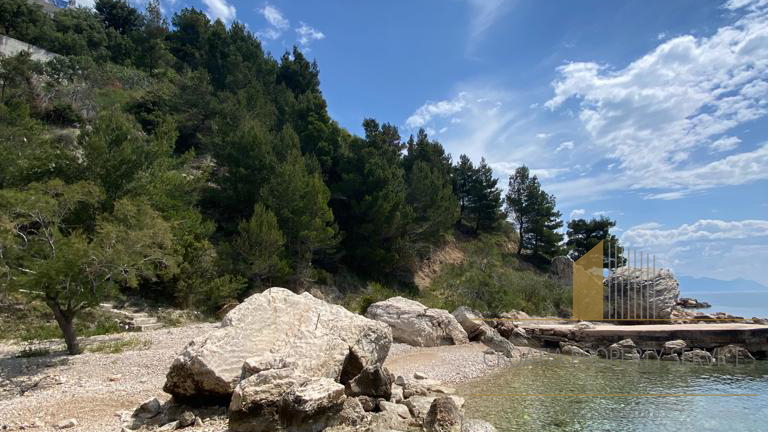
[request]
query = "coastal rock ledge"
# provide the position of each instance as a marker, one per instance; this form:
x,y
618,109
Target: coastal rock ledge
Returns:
x,y
278,331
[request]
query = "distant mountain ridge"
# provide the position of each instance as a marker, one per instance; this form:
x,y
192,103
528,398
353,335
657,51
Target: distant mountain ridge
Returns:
x,y
691,284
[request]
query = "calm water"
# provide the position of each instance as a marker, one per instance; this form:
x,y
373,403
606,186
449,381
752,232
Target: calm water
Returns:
x,y
744,304
547,413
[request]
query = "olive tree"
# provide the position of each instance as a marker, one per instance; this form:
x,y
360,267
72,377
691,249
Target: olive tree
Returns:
x,y
49,251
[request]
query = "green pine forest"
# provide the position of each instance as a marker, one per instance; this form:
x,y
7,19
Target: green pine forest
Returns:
x,y
177,161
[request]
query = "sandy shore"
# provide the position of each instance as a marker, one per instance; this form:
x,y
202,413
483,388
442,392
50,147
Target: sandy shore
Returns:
x,y
39,392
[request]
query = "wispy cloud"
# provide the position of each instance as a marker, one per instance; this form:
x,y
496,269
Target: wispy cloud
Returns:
x,y
565,145
701,230
677,103
443,108
483,14
307,34
220,9
277,23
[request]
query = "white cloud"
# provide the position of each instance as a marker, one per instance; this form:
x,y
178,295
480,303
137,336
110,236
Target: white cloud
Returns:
x,y
274,17
725,144
483,14
220,9
542,135
308,34
277,22
672,102
443,108
577,213
701,230
565,145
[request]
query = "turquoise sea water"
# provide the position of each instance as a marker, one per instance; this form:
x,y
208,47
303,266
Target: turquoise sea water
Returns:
x,y
621,413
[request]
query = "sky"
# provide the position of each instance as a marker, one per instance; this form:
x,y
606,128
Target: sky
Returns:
x,y
650,113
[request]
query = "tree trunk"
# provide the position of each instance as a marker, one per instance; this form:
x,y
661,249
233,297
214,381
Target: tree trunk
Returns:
x,y
520,240
65,320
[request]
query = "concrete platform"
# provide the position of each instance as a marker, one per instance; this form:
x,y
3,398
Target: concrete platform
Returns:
x,y
753,337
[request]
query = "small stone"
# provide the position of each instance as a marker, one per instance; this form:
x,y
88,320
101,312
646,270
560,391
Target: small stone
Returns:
x,y
148,409
198,421
419,376
114,378
400,380
187,418
169,427
66,424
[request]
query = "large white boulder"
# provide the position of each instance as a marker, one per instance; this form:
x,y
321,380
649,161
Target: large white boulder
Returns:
x,y
414,324
638,293
278,329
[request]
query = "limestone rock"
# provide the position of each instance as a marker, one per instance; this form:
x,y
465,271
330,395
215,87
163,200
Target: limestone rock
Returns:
x,y
471,322
400,409
368,403
655,294
66,424
443,416
624,349
473,425
584,325
650,355
352,413
733,354
572,350
674,347
187,418
169,426
415,324
561,270
480,331
312,406
697,356
277,328
148,409
670,357
375,381
420,405
419,375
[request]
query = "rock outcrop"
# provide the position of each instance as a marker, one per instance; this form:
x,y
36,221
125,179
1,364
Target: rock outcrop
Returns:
x,y
414,324
642,293
443,416
561,270
480,331
279,331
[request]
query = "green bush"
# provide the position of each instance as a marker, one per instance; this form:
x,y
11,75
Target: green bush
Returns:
x,y
492,280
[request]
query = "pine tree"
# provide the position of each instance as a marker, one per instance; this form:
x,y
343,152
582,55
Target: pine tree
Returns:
x,y
430,193
257,251
299,199
534,214
370,201
583,235
484,198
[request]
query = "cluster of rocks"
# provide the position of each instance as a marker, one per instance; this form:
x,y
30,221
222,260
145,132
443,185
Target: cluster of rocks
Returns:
x,y
675,350
692,303
682,316
417,325
287,362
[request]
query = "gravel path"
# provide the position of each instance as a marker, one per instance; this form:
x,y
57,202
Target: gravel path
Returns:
x,y
37,393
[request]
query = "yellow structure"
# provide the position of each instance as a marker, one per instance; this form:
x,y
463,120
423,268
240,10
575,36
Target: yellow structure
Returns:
x,y
588,285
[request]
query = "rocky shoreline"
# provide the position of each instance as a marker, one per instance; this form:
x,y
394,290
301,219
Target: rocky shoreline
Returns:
x,y
284,361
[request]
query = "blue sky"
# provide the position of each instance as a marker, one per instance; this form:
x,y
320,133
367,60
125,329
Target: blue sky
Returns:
x,y
652,113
